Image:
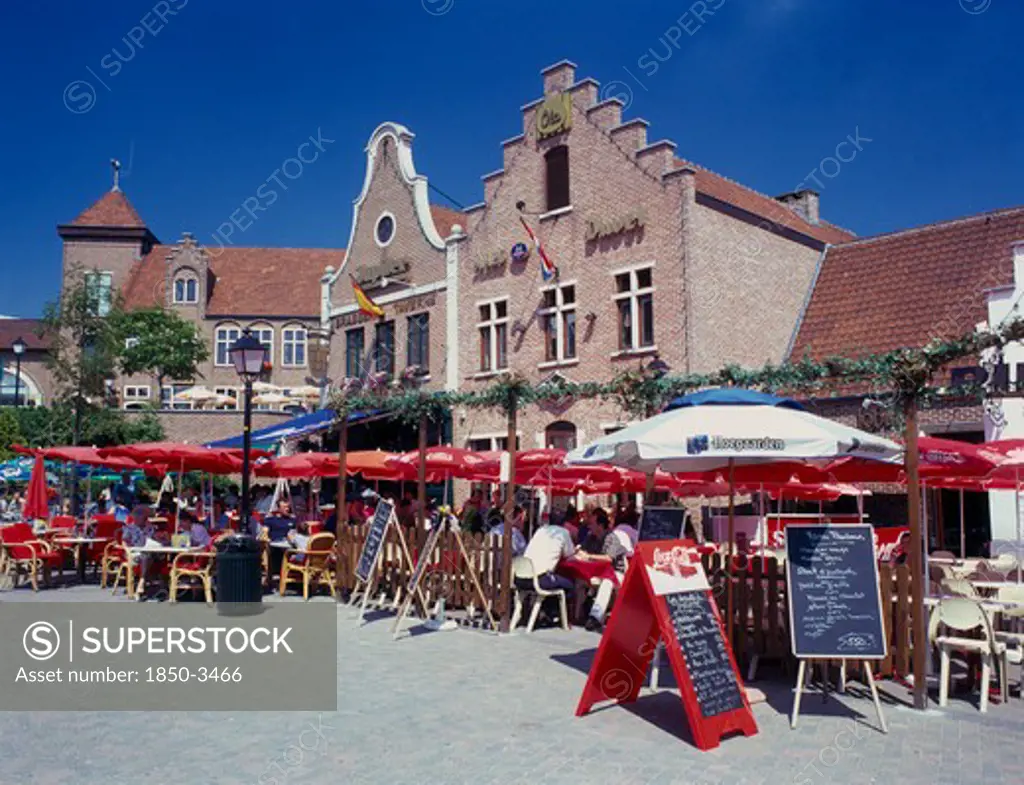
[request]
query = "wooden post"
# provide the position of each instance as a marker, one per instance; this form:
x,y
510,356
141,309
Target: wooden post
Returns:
x,y
340,504
916,559
421,484
510,504
729,556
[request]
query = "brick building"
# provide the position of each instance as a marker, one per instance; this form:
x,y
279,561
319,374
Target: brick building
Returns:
x,y
657,257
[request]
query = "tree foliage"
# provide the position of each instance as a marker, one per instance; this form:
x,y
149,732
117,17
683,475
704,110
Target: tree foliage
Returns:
x,y
10,433
158,342
83,344
51,426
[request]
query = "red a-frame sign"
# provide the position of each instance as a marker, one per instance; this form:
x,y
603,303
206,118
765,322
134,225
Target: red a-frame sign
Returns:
x,y
661,600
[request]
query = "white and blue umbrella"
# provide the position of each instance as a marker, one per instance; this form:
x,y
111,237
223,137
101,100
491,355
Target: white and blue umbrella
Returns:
x,y
716,428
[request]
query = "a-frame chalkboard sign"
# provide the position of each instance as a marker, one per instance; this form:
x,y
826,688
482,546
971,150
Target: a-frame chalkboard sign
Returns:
x,y
665,598
372,553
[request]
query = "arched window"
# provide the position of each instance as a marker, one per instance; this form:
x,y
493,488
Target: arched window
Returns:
x,y
224,336
293,346
556,173
561,435
186,289
27,389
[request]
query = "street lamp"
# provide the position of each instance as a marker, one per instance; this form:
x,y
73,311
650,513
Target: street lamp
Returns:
x,y
248,356
19,349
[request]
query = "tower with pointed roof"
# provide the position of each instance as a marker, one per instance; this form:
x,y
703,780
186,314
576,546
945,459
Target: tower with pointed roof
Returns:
x,y
109,236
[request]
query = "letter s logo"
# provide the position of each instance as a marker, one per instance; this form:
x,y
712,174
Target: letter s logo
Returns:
x,y
41,640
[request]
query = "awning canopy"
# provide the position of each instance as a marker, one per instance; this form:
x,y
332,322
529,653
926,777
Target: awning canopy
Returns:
x,y
302,425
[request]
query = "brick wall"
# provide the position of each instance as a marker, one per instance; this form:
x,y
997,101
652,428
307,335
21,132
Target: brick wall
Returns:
x,y
201,427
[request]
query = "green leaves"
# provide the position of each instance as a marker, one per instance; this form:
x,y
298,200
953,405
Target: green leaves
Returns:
x,y
159,343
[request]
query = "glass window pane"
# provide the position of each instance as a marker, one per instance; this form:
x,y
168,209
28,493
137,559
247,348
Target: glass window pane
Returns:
x,y
569,335
646,306
485,313
625,325
501,309
643,278
190,290
568,295
551,337
549,298
501,346
622,282
485,348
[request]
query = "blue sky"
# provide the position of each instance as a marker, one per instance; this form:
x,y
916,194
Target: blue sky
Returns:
x,y
209,101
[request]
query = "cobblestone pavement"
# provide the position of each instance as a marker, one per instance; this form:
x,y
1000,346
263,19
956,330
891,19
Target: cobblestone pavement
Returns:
x,y
469,707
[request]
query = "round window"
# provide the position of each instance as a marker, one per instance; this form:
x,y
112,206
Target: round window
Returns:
x,y
385,229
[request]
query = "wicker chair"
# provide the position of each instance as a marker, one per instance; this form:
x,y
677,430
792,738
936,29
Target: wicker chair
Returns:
x,y
24,554
314,566
196,564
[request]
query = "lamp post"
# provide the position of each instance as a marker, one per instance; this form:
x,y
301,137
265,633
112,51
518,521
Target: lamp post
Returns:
x,y
248,356
19,349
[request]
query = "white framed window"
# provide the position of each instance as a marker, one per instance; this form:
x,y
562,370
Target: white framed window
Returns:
x,y
136,396
186,290
230,392
293,347
265,335
634,305
558,322
493,330
224,336
169,397
99,286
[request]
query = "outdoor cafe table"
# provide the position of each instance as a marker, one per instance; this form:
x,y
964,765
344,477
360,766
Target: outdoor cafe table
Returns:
x,y
82,543
150,550
584,574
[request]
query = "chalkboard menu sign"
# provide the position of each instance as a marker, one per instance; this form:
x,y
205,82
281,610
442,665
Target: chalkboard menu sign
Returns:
x,y
374,540
706,653
662,523
425,556
835,609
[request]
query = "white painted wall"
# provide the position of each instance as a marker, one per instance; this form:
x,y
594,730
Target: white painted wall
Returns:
x,y
1004,303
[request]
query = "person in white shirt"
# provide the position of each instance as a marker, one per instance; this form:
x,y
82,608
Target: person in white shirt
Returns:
x,y
548,546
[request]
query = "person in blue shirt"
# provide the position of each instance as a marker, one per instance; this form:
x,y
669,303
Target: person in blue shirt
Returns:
x,y
280,522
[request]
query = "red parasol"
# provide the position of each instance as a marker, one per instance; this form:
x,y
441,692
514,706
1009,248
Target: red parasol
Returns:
x,y
375,465
300,466
35,497
444,462
182,457
939,458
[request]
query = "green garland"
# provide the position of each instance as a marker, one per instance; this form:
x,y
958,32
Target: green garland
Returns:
x,y
897,376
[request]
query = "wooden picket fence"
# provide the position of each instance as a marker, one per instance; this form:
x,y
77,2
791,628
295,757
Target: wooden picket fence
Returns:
x,y
761,616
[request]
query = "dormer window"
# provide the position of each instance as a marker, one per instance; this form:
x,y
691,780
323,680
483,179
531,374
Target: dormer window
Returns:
x,y
186,290
556,171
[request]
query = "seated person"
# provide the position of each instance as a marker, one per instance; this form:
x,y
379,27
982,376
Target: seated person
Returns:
x,y
548,546
280,522
594,533
518,541
331,524
572,523
198,536
406,517
299,539
616,549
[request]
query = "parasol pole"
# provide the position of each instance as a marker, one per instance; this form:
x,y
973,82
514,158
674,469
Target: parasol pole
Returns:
x,y
177,503
729,552
963,548
764,522
88,492
919,634
925,530
1016,509
505,597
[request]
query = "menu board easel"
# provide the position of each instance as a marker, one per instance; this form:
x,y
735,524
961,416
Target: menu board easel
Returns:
x,y
372,553
425,557
665,597
835,606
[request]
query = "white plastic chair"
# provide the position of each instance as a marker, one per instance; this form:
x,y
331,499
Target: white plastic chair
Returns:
x,y
1014,639
960,587
963,614
523,570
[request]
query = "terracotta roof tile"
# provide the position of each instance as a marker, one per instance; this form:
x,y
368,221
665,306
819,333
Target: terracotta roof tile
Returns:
x,y
245,281
28,330
445,218
731,192
112,209
903,289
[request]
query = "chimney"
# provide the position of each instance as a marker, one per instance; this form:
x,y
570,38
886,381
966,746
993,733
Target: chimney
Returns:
x,y
558,77
804,203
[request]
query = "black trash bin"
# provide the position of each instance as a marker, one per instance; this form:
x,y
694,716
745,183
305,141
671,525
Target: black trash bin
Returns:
x,y
239,576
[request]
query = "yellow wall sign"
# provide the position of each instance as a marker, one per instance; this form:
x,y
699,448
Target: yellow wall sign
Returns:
x,y
554,115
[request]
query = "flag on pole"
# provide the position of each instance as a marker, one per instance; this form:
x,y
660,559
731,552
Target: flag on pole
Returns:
x,y
548,270
364,301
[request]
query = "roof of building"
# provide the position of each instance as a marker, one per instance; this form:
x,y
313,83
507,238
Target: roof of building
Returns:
x,y
731,192
904,289
445,218
113,210
27,329
271,282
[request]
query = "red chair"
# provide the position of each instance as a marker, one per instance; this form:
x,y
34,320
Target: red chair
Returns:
x,y
315,527
25,554
63,522
105,526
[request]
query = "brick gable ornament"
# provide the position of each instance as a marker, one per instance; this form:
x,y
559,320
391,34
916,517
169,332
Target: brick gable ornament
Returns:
x,y
554,116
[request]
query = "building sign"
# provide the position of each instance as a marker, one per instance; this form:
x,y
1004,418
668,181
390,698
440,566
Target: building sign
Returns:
x,y
371,273
352,319
632,221
418,303
554,115
520,253
491,266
